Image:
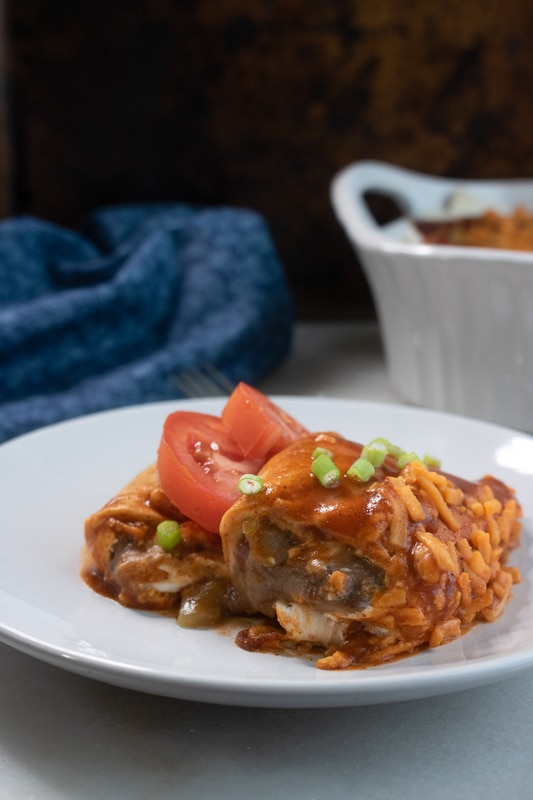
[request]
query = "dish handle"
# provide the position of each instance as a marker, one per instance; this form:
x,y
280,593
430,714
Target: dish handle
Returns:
x,y
411,191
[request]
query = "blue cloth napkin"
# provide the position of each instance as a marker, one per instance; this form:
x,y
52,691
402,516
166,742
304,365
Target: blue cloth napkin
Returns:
x,y
106,315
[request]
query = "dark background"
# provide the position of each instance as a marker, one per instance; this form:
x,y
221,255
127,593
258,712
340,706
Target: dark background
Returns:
x,y
258,103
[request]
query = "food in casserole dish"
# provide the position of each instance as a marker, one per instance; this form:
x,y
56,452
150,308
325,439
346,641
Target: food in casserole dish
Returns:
x,y
361,554
490,229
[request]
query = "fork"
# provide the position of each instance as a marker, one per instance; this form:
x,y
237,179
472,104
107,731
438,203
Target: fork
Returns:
x,y
203,381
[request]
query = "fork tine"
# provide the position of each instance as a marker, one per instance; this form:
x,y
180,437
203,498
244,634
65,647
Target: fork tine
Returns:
x,y
204,381
219,379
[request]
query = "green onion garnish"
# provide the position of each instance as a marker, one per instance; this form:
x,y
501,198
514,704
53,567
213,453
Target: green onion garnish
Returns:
x,y
321,451
375,452
362,469
431,461
392,449
325,470
406,458
168,534
250,484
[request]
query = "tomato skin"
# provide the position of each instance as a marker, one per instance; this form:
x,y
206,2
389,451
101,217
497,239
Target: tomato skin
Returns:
x,y
201,457
260,427
199,465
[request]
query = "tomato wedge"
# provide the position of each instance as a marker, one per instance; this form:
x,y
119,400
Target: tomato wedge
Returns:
x,y
199,464
260,427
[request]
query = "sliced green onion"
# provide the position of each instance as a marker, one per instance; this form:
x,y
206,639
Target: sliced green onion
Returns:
x,y
250,484
431,461
407,458
321,451
325,470
362,469
375,452
392,449
168,534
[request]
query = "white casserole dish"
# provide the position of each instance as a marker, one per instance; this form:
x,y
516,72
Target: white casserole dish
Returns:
x,y
456,322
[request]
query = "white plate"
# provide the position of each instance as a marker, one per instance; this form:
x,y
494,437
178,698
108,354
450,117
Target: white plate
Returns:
x,y
53,478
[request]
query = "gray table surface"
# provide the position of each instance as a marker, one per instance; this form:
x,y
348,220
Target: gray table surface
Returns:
x,y
65,736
